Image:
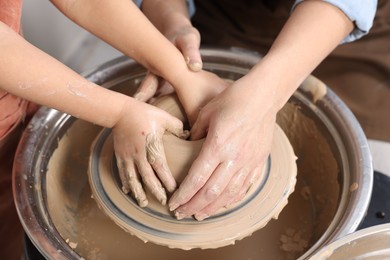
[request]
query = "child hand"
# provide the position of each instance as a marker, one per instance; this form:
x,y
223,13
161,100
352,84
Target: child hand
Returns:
x,y
139,151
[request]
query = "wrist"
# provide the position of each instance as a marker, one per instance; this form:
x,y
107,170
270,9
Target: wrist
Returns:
x,y
128,112
192,92
182,78
274,80
184,87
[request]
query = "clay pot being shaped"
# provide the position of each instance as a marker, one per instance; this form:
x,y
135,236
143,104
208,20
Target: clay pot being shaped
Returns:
x,y
263,201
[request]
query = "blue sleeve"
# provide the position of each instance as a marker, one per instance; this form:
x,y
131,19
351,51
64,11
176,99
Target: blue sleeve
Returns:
x,y
138,2
190,6
360,12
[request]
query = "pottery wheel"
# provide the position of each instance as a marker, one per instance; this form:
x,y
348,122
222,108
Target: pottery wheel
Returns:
x,y
155,223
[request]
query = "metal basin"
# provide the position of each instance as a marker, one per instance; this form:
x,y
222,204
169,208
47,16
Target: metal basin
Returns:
x,y
369,243
52,194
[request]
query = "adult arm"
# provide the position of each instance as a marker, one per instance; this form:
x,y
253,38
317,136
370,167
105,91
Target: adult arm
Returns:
x,y
240,121
172,19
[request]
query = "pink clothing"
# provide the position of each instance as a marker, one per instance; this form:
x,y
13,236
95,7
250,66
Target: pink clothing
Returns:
x,y
12,113
10,13
12,109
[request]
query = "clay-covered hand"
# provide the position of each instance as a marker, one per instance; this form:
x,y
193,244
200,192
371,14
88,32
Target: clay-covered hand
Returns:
x,y
186,38
152,87
140,154
197,90
239,126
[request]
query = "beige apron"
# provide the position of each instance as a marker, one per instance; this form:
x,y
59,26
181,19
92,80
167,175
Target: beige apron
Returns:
x,y
359,72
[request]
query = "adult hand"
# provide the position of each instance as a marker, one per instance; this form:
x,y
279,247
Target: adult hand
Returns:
x,y
187,39
239,126
140,154
240,121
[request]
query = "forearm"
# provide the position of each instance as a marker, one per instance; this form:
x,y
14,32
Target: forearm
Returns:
x,y
166,15
314,29
34,75
171,17
122,24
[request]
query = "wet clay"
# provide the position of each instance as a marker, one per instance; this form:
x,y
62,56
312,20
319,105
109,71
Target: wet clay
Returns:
x,y
311,207
264,200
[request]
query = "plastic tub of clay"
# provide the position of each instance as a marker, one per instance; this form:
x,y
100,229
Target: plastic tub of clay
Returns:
x,y
331,195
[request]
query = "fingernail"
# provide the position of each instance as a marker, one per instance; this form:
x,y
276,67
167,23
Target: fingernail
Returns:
x,y
143,203
125,189
195,65
173,206
139,96
179,215
163,197
172,187
184,135
201,217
